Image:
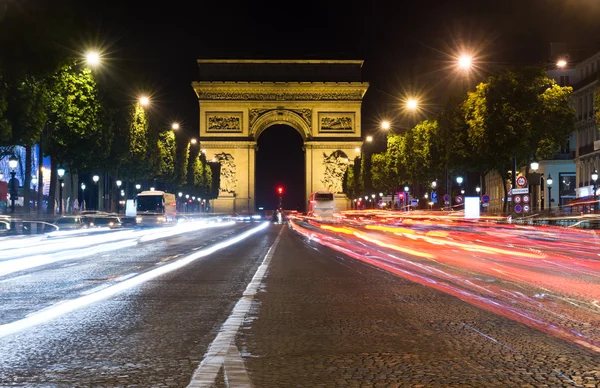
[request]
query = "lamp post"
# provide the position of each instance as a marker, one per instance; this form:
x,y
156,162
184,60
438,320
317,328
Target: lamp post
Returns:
x,y
138,187
179,195
549,184
61,175
406,192
534,166
96,178
595,188
13,162
82,193
34,182
119,183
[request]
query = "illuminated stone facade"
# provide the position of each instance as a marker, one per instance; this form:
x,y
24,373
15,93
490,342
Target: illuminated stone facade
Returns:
x,y
239,99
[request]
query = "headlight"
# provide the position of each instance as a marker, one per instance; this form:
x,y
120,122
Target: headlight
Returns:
x,y
111,224
138,219
91,224
161,219
256,217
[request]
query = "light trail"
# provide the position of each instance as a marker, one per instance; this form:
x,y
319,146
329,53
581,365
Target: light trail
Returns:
x,y
83,246
67,306
505,269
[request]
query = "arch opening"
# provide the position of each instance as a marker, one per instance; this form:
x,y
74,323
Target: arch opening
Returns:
x,y
280,163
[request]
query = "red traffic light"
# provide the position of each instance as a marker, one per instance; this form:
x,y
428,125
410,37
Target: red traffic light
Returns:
x,y
280,190
401,195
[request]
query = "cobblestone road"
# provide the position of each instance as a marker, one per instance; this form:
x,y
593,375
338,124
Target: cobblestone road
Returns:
x,y
322,320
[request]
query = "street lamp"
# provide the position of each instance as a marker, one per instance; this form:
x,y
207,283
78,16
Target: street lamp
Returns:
x,y
92,58
34,182
144,101
412,104
13,162
459,180
357,150
406,190
549,184
138,186
61,175
96,178
82,193
151,188
465,62
119,183
478,189
561,63
385,125
193,141
369,139
595,188
534,166
175,126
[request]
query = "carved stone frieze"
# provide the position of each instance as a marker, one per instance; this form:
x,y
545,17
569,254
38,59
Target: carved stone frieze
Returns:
x,y
224,122
336,122
228,173
336,165
279,96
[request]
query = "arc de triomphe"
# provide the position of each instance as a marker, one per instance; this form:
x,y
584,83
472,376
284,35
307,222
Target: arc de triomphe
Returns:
x,y
239,99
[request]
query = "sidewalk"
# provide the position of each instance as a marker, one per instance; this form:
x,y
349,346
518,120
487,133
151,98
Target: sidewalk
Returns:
x,y
325,320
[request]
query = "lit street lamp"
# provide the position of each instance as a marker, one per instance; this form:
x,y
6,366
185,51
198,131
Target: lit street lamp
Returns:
x,y
369,139
193,141
175,126
465,62
406,190
34,182
412,104
144,101
561,63
61,175
549,184
119,183
385,125
82,193
595,188
13,162
92,58
534,167
138,187
96,178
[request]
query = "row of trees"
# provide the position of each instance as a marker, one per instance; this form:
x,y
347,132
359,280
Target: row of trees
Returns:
x,y
81,128
516,115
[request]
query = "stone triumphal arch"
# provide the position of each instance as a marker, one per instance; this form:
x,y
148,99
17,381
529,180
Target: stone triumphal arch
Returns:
x,y
239,99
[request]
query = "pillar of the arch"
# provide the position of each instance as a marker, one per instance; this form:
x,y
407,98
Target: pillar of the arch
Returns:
x,y
237,163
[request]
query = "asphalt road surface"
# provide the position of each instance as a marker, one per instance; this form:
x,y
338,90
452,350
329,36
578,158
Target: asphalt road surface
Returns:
x,y
274,309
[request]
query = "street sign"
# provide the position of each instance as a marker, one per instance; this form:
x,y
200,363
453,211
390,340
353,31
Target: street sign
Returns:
x,y
510,192
434,197
526,198
517,199
414,202
446,198
521,181
485,205
518,208
485,198
459,199
526,208
523,190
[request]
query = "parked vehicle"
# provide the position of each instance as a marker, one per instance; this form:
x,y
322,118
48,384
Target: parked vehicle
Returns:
x,y
71,222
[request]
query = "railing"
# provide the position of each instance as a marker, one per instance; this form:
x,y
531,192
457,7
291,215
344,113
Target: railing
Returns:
x,y
586,149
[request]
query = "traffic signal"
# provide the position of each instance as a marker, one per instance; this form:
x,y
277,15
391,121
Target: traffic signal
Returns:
x,y
401,195
280,190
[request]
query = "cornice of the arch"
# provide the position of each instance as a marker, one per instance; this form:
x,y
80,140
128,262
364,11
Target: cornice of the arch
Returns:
x,y
280,116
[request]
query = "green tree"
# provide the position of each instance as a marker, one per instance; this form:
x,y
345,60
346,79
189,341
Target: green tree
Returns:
x,y
137,163
394,155
518,114
165,169
348,184
419,161
76,136
380,174
181,163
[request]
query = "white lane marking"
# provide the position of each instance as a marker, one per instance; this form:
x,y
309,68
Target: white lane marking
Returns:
x,y
67,306
15,278
222,350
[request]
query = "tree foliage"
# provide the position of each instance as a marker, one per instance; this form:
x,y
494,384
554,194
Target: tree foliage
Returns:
x,y
380,174
165,145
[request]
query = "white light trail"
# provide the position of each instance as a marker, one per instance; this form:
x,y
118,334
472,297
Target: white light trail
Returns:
x,y
67,306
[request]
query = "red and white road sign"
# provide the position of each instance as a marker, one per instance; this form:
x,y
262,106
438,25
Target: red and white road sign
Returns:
x,y
517,199
526,208
521,181
459,199
526,198
509,192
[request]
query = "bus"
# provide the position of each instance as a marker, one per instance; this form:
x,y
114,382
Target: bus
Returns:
x,y
321,205
155,208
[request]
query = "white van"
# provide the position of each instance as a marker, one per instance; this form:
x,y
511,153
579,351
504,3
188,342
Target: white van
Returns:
x,y
155,208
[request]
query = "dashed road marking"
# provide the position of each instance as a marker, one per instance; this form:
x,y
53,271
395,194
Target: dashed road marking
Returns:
x,y
222,351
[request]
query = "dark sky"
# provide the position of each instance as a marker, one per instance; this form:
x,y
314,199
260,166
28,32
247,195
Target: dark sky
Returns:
x,y
406,45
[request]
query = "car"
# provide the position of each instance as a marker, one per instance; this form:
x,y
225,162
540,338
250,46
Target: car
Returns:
x,y
112,222
71,222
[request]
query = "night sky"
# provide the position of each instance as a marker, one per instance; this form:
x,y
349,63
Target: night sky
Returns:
x,y
407,46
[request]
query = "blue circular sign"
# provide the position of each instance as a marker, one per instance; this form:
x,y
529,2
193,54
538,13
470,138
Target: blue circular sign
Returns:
x,y
485,198
446,197
518,208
